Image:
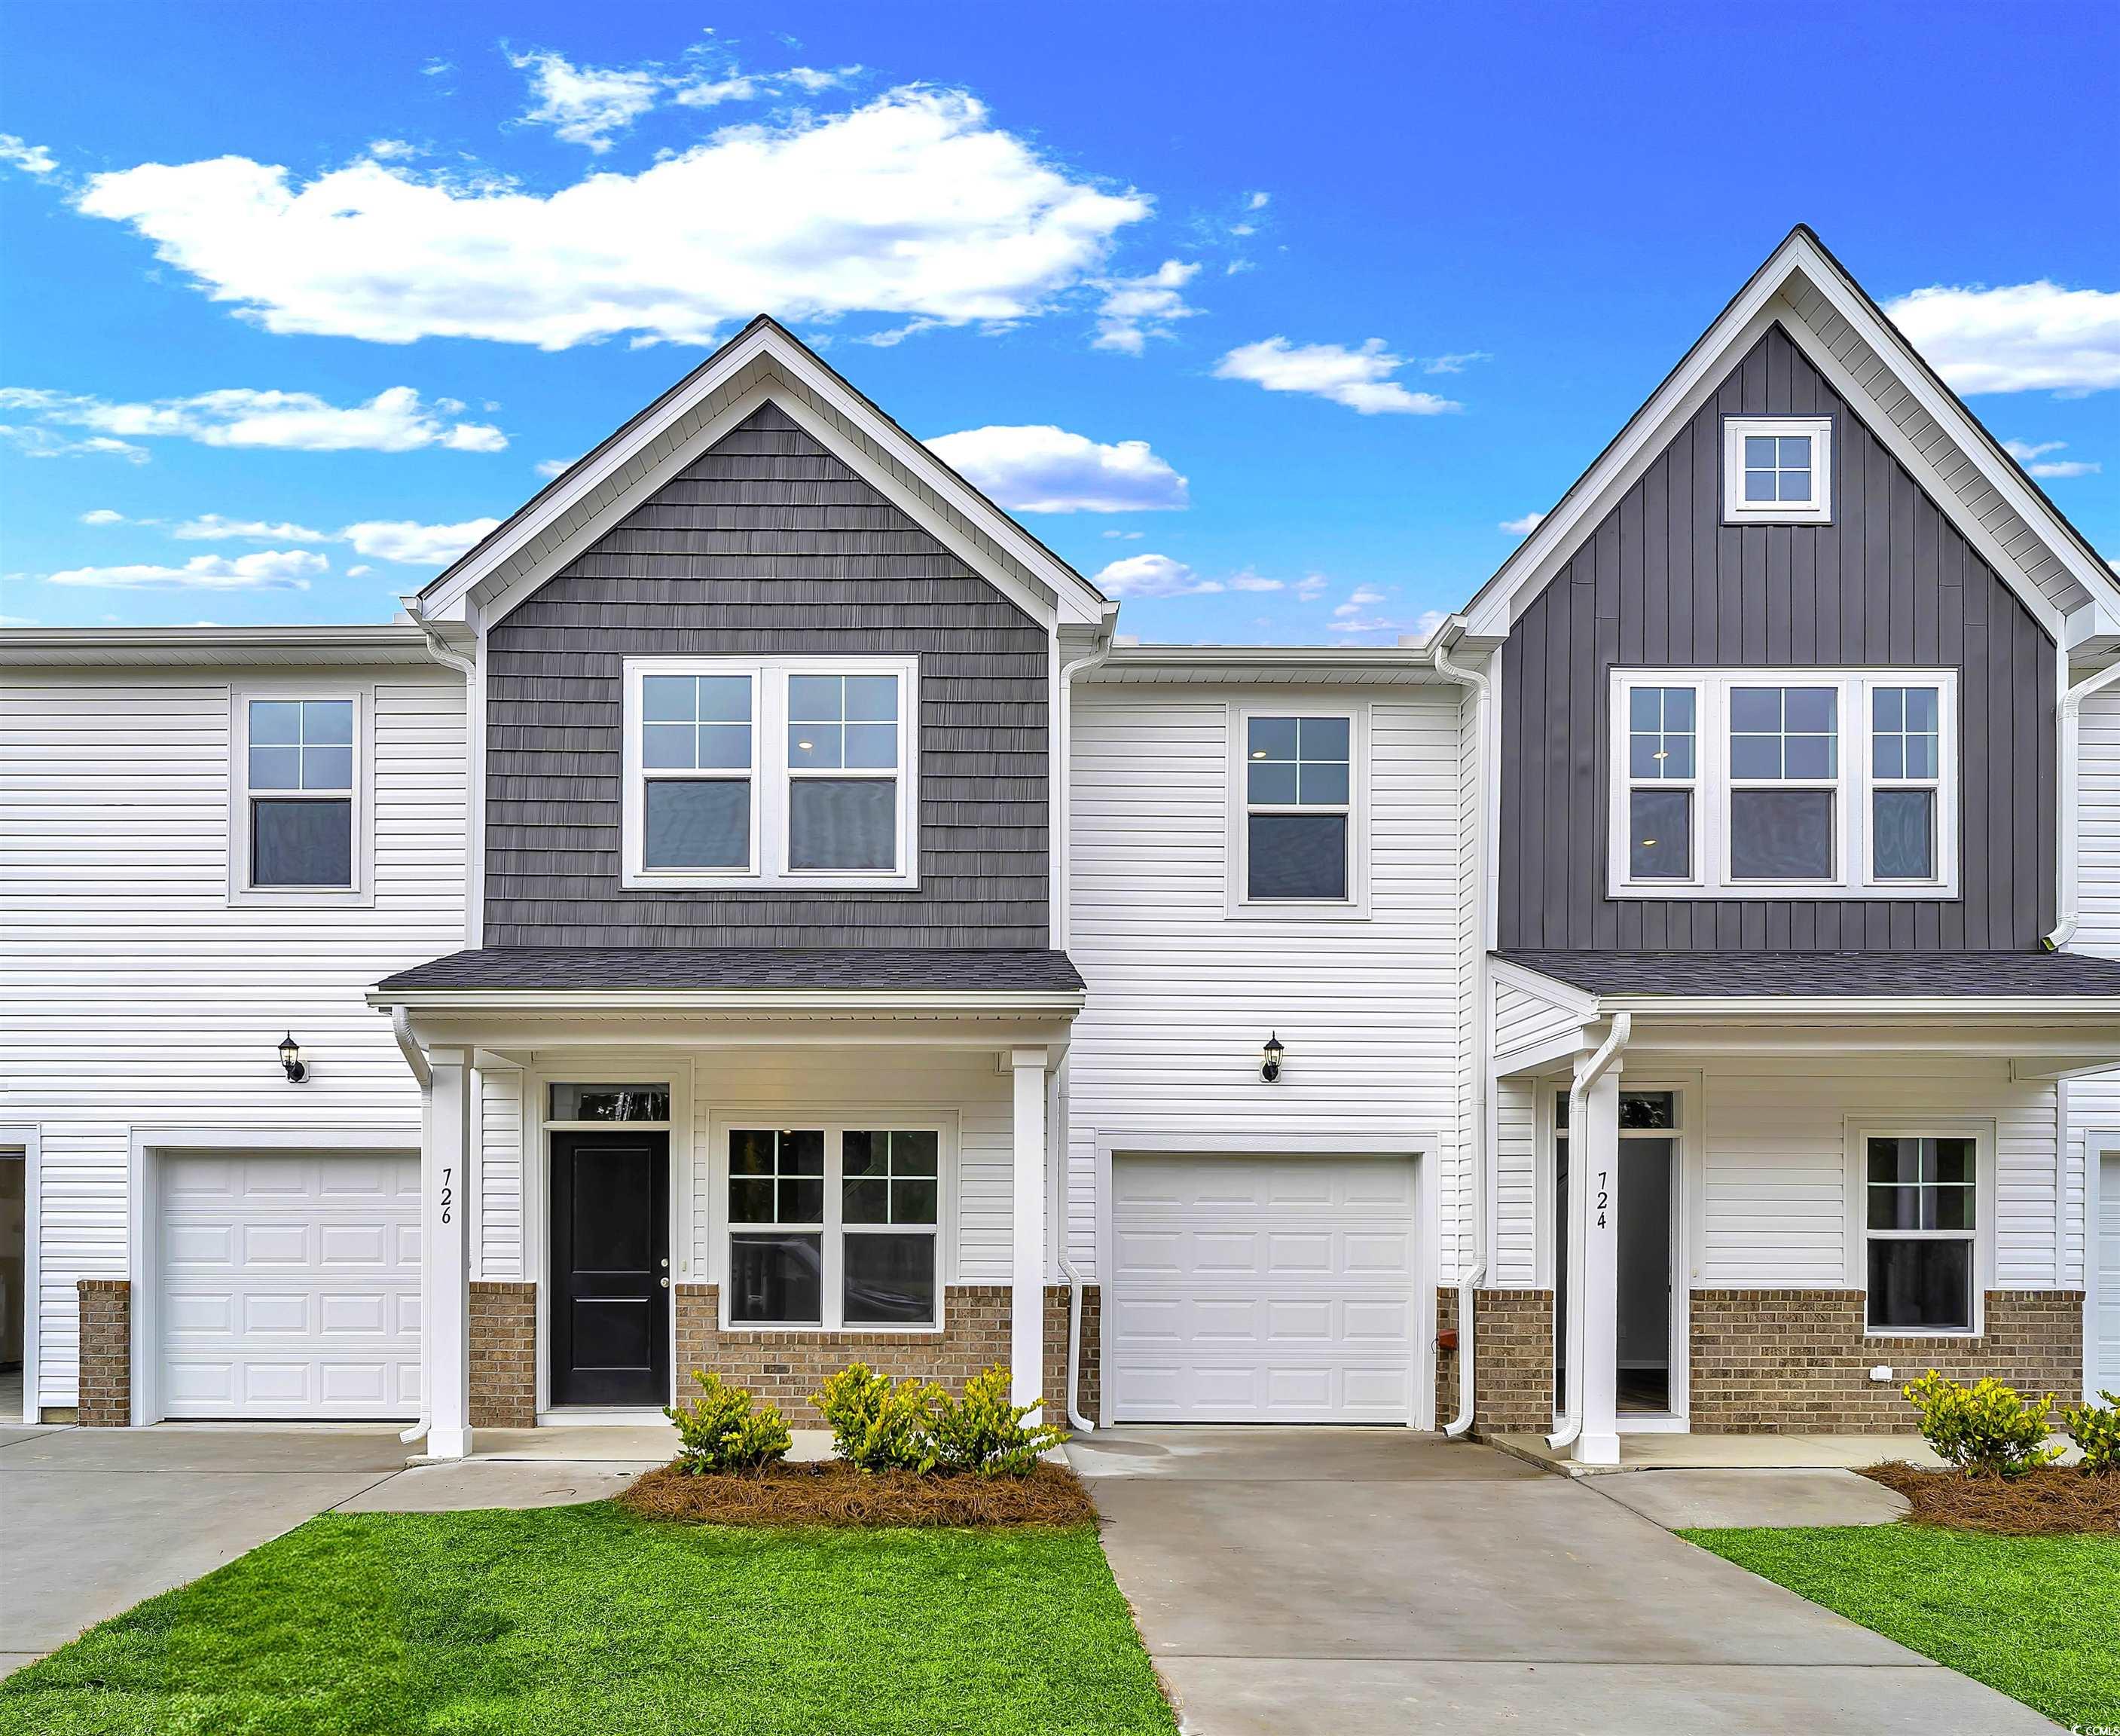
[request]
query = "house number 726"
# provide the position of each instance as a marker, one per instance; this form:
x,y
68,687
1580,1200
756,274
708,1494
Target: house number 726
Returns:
x,y
448,1198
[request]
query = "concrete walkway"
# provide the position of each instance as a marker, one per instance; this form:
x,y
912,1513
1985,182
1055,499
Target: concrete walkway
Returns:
x,y
1353,1582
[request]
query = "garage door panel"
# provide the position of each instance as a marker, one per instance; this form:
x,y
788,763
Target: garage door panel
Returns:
x,y
290,1285
1262,1289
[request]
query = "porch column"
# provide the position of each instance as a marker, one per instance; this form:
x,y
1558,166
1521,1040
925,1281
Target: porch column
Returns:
x,y
1594,1171
445,1256
1026,1313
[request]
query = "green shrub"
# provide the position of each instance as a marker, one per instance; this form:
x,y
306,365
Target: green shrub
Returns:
x,y
1986,1430
984,1433
877,1426
2096,1429
720,1431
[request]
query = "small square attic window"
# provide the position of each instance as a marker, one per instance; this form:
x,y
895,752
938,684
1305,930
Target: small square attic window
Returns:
x,y
1778,469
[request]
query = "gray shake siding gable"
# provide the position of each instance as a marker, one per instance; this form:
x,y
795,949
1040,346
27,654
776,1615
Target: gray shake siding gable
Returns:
x,y
769,545
1663,582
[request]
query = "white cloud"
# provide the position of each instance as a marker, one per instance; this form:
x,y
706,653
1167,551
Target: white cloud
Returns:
x,y
1358,614
550,467
438,67
1257,201
412,544
1456,364
1523,526
269,569
1135,309
584,106
31,159
35,442
358,572
392,421
391,150
1359,378
2018,337
1153,575
1361,597
913,204
103,515
735,86
2036,463
1042,468
212,527
1253,582
1126,536
1309,590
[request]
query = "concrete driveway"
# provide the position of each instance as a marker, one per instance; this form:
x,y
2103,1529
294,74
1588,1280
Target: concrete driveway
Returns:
x,y
93,1520
1343,1582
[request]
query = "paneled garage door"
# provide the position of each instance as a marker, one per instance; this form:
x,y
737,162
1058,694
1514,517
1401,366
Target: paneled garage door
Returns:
x,y
1260,1290
290,1285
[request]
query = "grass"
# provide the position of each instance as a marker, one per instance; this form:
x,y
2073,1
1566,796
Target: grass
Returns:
x,y
2034,1617
587,1619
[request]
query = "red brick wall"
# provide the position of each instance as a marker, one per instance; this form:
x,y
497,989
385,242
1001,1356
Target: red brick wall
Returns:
x,y
1796,1361
504,1355
106,1353
1512,1362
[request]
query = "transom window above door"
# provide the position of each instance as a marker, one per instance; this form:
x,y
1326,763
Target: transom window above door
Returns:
x,y
833,1226
1784,783
766,771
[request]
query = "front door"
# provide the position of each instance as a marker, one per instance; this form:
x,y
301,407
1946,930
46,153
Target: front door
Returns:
x,y
611,1268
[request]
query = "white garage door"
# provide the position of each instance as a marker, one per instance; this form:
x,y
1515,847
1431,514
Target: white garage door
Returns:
x,y
290,1285
1260,1290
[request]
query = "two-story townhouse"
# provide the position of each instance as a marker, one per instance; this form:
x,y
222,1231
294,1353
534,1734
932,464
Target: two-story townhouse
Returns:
x,y
858,950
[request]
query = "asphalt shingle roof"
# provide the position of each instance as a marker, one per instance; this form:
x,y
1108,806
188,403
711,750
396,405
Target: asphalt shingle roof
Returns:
x,y
1931,975
853,969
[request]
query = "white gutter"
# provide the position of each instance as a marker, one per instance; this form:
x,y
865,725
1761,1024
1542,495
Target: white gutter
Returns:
x,y
1075,1345
1471,1276
1586,1074
1062,921
2068,902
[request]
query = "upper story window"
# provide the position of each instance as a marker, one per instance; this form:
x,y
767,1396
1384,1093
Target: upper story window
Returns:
x,y
1778,469
769,771
1777,783
1299,789
297,821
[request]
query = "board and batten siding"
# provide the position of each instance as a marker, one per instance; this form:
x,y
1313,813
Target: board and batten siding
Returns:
x,y
766,545
1182,993
133,994
1662,582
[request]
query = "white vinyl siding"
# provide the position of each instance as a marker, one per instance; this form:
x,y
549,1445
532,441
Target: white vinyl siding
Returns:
x,y
1515,1263
2094,1102
1522,1019
132,995
1182,996
500,1251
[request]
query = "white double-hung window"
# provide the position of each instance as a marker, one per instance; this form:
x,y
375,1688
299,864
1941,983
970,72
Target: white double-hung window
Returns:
x,y
299,830
770,771
1784,782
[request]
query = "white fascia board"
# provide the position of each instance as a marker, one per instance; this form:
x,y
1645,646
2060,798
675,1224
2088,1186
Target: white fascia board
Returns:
x,y
1076,601
1848,1009
1279,662
820,1003
1577,1003
224,647
1758,305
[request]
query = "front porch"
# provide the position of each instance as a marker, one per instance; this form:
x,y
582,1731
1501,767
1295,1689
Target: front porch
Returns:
x,y
764,1166
1742,1201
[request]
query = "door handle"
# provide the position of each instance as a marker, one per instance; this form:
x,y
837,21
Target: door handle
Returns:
x,y
664,1283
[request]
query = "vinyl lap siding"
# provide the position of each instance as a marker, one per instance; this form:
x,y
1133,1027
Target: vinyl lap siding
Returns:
x,y
131,994
1182,993
1522,1019
1662,583
500,1112
2094,1103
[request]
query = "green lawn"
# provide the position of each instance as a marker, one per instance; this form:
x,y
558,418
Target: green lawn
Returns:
x,y
2035,1617
585,1619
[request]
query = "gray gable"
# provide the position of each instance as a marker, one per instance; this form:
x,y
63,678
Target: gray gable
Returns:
x,y
766,544
1663,582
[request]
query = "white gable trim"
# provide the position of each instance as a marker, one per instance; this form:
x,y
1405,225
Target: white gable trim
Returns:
x,y
1043,585
2095,608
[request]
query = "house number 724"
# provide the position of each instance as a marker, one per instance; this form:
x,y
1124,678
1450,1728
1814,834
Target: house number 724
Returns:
x,y
448,1198
1604,1198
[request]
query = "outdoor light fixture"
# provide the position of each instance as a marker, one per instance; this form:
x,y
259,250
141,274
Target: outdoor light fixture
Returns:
x,y
291,1058
1271,1053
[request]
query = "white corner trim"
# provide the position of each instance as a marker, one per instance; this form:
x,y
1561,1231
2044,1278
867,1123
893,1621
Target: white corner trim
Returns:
x,y
28,1138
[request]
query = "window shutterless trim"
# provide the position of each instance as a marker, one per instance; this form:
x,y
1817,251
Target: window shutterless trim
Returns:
x,y
1852,784
361,893
1238,900
1860,1131
1737,509
771,777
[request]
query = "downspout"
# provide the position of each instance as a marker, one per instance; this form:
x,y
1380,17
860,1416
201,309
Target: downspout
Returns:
x,y
1075,1416
416,1057
1586,1074
1472,1275
2068,902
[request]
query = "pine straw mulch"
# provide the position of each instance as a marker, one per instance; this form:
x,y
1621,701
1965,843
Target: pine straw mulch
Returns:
x,y
833,1493
2052,1501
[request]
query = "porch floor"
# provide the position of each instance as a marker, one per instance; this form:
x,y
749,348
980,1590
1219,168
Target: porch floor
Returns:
x,y
1729,1452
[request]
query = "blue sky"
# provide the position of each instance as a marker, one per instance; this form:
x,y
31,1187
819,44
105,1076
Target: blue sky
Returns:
x,y
1276,317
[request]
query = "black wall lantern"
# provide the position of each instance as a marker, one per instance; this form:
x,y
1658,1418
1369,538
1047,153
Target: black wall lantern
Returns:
x,y
291,1058
1271,1054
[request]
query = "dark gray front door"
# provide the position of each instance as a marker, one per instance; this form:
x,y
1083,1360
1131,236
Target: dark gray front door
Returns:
x,y
610,1268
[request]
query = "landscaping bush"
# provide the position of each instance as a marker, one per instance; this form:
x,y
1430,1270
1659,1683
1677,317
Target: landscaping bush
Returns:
x,y
1985,1430
985,1434
877,1426
720,1431
2095,1428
